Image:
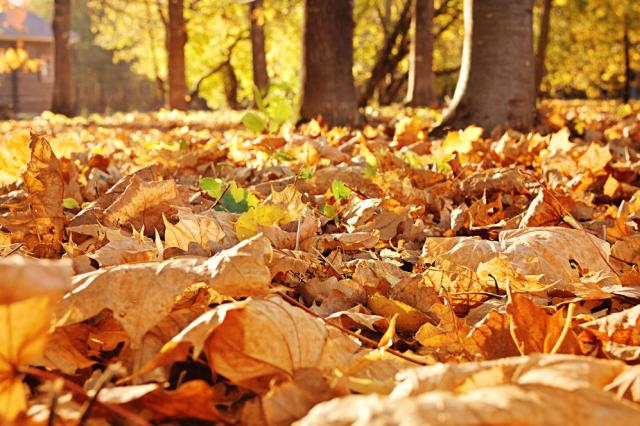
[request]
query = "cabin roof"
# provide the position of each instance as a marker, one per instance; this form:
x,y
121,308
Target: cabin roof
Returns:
x,y
22,24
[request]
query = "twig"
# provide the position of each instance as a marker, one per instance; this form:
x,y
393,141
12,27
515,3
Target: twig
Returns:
x,y
357,192
215,203
479,293
364,339
106,376
328,262
128,416
58,385
565,328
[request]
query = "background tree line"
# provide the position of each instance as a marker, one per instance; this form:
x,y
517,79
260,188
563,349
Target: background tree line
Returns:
x,y
335,54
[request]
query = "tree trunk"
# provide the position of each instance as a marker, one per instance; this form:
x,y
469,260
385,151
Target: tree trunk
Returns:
x,y
496,83
627,62
421,89
260,75
327,62
63,95
230,86
176,40
543,41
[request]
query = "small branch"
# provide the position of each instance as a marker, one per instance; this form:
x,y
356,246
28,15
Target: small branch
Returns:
x,y
77,390
106,376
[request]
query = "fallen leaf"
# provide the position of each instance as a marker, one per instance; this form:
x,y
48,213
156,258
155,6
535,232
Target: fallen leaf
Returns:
x,y
257,342
29,288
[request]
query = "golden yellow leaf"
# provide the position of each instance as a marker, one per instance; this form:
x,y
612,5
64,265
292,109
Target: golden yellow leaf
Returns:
x,y
249,223
29,290
409,319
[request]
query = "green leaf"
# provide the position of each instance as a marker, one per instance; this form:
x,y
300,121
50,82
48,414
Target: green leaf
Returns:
x,y
281,155
273,126
70,203
280,109
238,200
340,190
254,122
213,187
306,173
329,211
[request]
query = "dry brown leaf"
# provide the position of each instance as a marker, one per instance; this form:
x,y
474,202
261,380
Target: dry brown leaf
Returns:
x,y
534,330
193,400
552,252
259,342
355,241
290,401
239,271
409,319
134,249
45,185
619,333
142,204
493,337
191,227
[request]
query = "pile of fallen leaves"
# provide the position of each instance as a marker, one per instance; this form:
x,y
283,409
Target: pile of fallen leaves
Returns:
x,y
162,269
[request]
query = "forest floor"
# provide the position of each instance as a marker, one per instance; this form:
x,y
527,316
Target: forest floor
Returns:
x,y
374,276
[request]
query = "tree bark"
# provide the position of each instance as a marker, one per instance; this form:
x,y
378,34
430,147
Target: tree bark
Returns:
x,y
421,88
259,57
543,41
63,101
230,86
327,62
176,40
496,83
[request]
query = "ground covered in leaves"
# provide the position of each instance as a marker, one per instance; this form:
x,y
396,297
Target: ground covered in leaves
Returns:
x,y
170,268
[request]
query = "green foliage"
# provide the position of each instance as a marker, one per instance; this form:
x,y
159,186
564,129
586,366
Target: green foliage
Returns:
x,y
254,122
230,197
281,155
339,190
275,108
70,203
306,173
330,211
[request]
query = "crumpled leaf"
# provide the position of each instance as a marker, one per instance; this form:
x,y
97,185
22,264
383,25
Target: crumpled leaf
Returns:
x,y
125,249
552,252
257,342
290,200
142,204
619,333
191,227
45,184
355,241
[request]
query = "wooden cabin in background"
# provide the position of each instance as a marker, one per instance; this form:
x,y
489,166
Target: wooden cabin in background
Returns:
x,y
24,91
